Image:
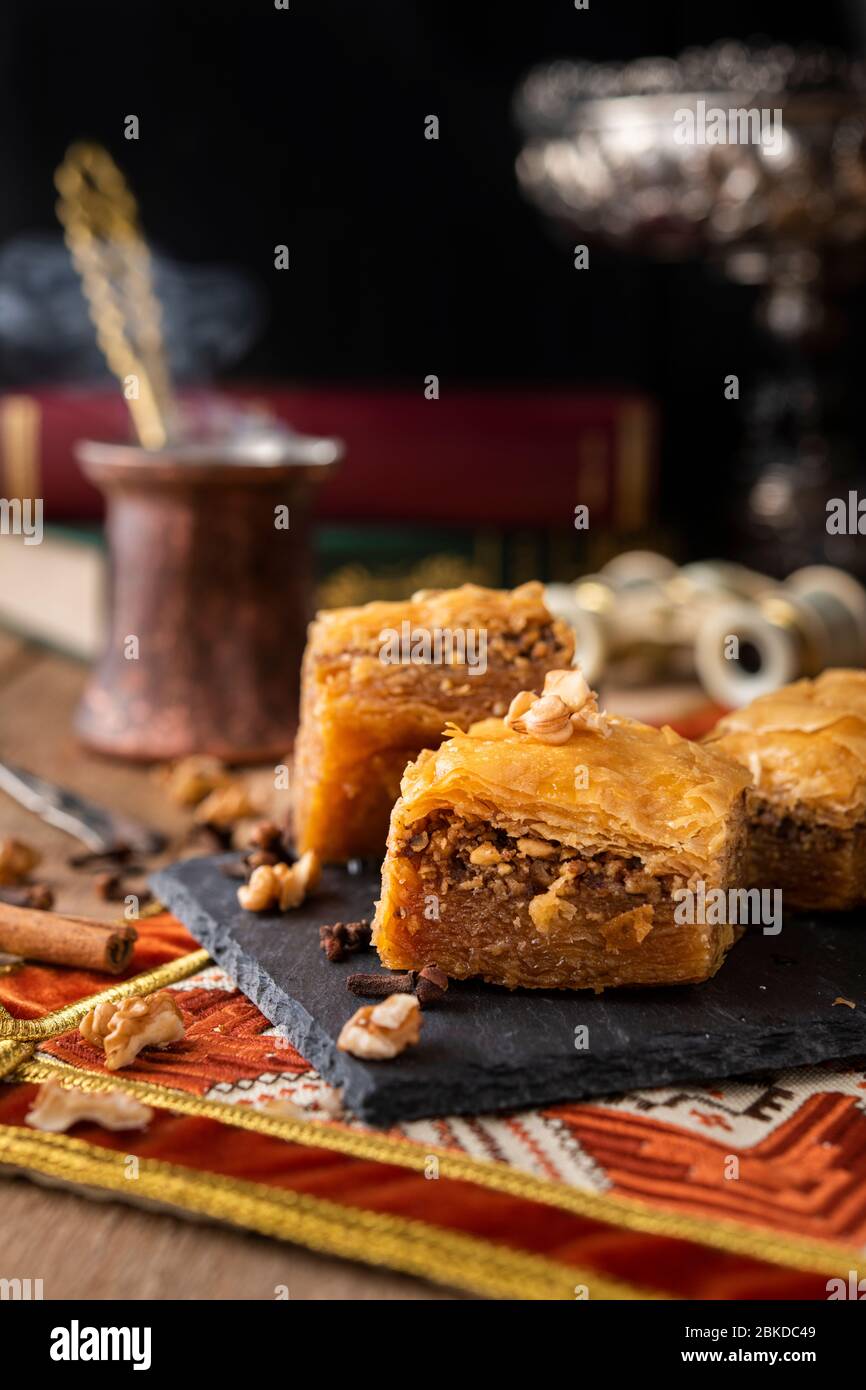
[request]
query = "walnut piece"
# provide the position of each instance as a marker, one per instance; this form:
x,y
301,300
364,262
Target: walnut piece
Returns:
x,y
628,929
280,885
192,779
536,849
225,806
57,1108
570,686
572,689
548,910
282,1108
16,861
485,854
326,1103
552,909
565,704
122,1030
548,720
522,701
378,1032
261,891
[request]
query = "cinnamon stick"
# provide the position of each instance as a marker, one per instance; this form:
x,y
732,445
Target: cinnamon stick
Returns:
x,y
77,941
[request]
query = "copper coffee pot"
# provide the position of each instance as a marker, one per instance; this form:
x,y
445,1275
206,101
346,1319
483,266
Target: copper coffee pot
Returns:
x,y
210,593
207,522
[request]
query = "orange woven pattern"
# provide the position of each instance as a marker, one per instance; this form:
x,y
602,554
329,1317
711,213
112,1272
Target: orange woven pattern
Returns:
x,y
742,1190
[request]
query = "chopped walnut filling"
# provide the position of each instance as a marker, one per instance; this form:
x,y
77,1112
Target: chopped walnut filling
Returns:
x,y
549,911
122,1030
469,855
57,1108
536,849
485,854
379,1032
505,646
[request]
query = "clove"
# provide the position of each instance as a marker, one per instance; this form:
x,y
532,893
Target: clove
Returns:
x,y
380,986
431,985
35,895
86,859
341,938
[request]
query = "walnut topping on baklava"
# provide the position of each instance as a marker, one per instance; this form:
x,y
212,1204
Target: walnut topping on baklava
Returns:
x,y
565,706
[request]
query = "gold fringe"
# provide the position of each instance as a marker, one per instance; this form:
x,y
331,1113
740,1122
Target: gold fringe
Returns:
x,y
412,1247
61,1020
731,1237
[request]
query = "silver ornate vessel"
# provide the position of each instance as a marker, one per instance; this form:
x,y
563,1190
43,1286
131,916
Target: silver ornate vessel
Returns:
x,y
615,154
604,153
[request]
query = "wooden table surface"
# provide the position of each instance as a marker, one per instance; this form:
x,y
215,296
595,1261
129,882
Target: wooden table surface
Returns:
x,y
88,1249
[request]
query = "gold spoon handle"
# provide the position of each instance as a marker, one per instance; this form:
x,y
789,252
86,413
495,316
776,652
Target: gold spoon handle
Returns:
x,y
99,216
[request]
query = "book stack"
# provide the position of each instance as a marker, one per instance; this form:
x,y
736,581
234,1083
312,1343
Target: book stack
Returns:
x,y
491,486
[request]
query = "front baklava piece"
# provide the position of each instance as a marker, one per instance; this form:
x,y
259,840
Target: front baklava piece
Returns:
x,y
380,682
805,748
553,850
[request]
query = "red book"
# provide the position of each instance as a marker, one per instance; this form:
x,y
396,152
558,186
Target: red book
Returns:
x,y
499,458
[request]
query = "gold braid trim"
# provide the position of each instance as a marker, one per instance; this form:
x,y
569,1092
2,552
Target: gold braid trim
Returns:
x,y
61,1020
12,1054
624,1213
412,1247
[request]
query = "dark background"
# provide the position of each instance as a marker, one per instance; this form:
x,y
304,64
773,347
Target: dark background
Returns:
x,y
261,126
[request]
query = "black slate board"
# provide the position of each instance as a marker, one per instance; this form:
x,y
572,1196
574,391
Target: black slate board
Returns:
x,y
484,1048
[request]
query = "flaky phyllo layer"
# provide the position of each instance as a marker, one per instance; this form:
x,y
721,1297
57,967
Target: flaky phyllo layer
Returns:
x,y
642,792
805,746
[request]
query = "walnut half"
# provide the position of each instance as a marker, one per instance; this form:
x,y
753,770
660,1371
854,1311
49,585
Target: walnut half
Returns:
x,y
565,705
122,1030
548,720
280,885
378,1032
225,806
192,779
57,1108
16,861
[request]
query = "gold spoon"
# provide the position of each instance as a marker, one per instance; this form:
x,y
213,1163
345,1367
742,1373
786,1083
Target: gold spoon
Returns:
x,y
99,216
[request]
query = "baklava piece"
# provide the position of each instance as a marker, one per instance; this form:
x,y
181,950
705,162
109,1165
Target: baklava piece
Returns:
x,y
548,850
805,748
379,683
